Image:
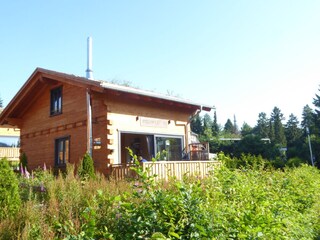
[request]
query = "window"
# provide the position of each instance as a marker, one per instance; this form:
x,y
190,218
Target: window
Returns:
x,y
62,147
169,147
165,147
56,101
9,141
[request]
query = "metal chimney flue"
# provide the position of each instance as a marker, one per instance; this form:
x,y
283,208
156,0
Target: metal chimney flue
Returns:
x,y
89,75
89,72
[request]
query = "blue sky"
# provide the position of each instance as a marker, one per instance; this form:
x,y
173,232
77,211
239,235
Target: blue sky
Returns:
x,y
243,57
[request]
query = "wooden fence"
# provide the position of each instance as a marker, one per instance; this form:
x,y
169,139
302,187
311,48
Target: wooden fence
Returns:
x,y
167,169
11,153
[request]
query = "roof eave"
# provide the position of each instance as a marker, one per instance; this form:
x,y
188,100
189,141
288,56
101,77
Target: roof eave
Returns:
x,y
141,92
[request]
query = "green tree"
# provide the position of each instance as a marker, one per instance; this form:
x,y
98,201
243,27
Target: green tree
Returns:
x,y
235,126
196,124
1,102
294,137
261,129
207,126
228,127
271,130
308,118
292,130
86,167
316,103
245,129
276,121
315,130
215,125
9,191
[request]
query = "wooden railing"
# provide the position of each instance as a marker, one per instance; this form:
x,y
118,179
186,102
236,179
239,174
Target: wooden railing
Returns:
x,y
167,169
11,153
122,171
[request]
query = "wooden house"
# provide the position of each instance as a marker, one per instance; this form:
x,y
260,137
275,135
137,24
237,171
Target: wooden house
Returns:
x,y
62,116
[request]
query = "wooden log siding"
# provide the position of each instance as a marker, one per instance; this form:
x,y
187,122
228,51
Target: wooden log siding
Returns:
x,y
11,153
167,169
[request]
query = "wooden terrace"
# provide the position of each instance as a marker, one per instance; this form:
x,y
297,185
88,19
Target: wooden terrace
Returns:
x,y
11,153
167,169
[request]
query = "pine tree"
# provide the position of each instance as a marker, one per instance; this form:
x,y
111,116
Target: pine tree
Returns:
x,y
246,129
292,130
261,129
316,102
308,117
215,125
276,120
207,127
86,167
235,125
228,127
196,124
1,102
271,134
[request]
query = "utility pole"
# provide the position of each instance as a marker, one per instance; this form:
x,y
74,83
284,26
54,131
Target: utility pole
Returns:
x,y
310,149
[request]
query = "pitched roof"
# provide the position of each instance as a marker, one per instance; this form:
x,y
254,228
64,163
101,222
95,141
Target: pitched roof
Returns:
x,y
38,79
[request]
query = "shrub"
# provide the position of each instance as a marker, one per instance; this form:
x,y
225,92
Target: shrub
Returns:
x,y
294,162
23,161
9,190
86,167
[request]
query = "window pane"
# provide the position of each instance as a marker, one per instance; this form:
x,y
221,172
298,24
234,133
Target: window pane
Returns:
x,y
66,155
169,148
62,151
56,101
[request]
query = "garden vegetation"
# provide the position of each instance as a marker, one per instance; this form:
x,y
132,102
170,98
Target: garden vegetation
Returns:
x,y
244,199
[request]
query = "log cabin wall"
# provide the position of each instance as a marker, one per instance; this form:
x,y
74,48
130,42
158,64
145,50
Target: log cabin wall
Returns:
x,y
39,129
99,133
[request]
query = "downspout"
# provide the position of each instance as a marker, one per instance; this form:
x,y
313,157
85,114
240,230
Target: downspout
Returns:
x,y
89,75
89,123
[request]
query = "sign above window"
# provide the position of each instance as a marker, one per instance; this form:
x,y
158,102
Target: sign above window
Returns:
x,y
153,122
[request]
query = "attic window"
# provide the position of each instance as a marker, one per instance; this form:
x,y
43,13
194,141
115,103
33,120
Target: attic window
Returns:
x,y
56,101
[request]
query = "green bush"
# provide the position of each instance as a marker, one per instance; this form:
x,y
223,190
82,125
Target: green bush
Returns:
x,y
9,191
294,162
245,161
86,167
23,161
271,204
253,202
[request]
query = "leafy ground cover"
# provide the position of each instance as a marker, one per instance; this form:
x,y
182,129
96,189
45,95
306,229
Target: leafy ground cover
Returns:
x,y
251,201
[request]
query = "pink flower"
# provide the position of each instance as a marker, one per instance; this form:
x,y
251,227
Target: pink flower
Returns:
x,y
21,170
27,174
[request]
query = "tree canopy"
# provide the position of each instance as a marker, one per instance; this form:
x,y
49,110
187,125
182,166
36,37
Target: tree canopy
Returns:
x,y
271,137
